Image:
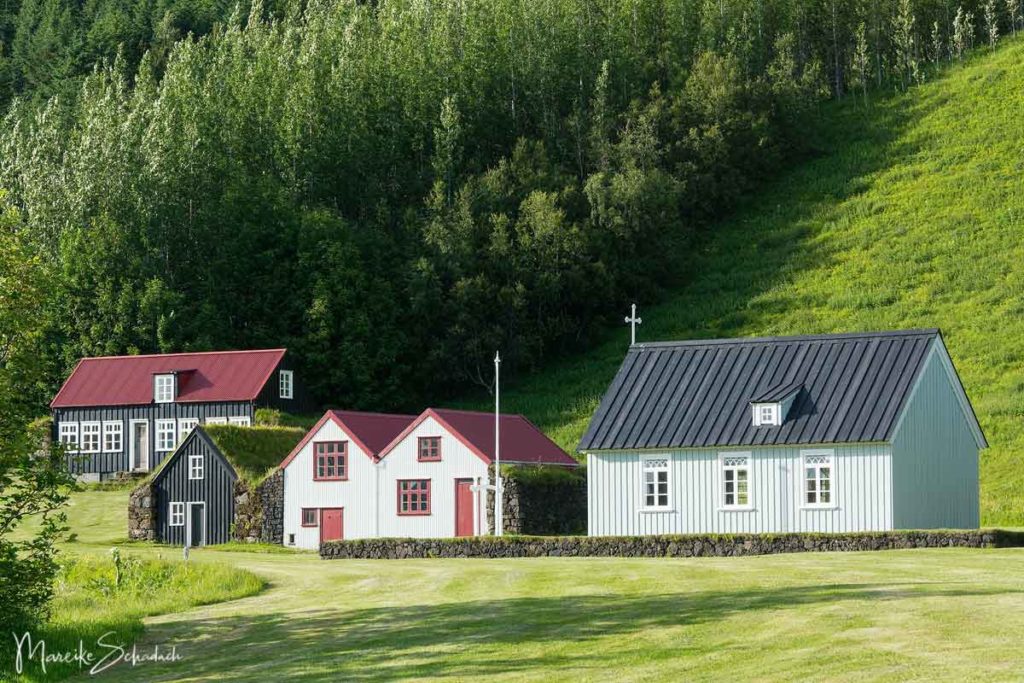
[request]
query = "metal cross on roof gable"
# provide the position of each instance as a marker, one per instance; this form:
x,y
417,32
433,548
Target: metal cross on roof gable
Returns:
x,y
632,320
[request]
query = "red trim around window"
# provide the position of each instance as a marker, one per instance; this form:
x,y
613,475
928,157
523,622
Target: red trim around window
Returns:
x,y
315,522
428,449
413,497
330,460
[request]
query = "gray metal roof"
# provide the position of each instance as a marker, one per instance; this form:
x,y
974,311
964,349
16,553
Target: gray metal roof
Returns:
x,y
693,394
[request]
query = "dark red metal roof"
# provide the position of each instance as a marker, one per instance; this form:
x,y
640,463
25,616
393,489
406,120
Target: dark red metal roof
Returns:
x,y
374,430
202,377
521,441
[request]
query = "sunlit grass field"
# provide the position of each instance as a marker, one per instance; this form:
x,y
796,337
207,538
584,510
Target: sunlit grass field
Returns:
x,y
952,614
912,216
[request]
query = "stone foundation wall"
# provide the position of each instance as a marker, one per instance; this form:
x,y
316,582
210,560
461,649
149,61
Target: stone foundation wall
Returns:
x,y
540,506
142,513
663,546
259,513
271,493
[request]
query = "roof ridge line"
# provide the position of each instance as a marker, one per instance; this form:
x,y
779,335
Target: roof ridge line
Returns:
x,y
182,353
341,411
914,332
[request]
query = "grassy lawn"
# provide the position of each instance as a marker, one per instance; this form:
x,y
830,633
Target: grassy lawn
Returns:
x,y
924,614
911,217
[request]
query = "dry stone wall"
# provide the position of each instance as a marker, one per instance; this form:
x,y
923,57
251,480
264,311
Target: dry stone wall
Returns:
x,y
663,546
142,513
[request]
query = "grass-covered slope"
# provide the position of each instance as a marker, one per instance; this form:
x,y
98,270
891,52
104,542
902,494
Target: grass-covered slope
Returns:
x,y
912,217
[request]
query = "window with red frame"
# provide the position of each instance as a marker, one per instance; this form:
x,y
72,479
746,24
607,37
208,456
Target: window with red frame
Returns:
x,y
414,496
429,448
308,516
330,460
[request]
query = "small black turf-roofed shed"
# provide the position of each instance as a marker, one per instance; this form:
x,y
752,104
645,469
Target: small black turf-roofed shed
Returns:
x,y
226,453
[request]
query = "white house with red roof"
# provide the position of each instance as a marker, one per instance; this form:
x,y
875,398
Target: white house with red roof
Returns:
x,y
370,475
127,413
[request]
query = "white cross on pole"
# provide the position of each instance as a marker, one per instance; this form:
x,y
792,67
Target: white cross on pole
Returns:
x,y
632,320
498,521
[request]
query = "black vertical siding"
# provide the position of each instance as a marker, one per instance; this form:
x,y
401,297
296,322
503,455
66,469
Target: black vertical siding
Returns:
x,y
216,489
270,395
109,463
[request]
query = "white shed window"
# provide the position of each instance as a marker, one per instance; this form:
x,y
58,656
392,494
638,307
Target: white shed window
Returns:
x,y
165,435
735,481
766,414
177,516
195,466
69,435
90,437
656,487
113,437
240,421
285,383
818,479
185,426
163,388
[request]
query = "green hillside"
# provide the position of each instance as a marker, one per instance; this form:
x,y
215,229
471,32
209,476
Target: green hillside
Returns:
x,y
912,217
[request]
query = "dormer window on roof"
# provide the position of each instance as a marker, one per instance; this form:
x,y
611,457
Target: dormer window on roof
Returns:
x,y
771,407
163,388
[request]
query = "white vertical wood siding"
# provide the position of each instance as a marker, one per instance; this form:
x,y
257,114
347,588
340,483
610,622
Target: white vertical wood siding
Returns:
x,y
369,496
935,457
356,495
861,483
457,462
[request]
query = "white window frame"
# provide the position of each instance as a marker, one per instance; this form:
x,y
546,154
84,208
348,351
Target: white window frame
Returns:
x,y
64,430
216,420
196,468
286,384
240,421
830,462
766,414
162,428
176,514
725,465
114,430
163,388
86,429
667,469
186,425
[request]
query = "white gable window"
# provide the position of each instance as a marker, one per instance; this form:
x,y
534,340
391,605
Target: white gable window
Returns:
x,y
113,437
163,388
165,435
240,421
195,466
285,384
819,479
735,481
177,516
90,437
69,435
185,427
766,414
656,486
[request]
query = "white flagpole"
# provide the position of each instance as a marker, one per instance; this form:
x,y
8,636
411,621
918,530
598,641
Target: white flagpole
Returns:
x,y
498,520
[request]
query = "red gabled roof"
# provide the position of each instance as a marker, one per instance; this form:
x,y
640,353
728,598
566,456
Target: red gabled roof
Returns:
x,y
371,431
521,441
208,376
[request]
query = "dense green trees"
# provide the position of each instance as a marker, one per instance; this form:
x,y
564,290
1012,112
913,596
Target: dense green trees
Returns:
x,y
396,189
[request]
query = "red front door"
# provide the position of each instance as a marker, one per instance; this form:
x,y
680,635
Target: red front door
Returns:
x,y
463,507
332,524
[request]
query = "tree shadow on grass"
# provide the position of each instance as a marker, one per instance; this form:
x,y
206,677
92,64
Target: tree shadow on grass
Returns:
x,y
475,638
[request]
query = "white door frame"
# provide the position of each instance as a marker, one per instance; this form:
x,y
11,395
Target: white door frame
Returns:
x,y
131,445
188,522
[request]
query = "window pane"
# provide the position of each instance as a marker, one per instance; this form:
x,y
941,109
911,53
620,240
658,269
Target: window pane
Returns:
x,y
825,498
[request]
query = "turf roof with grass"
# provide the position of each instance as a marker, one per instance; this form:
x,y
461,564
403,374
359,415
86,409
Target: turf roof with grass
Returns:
x,y
254,452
